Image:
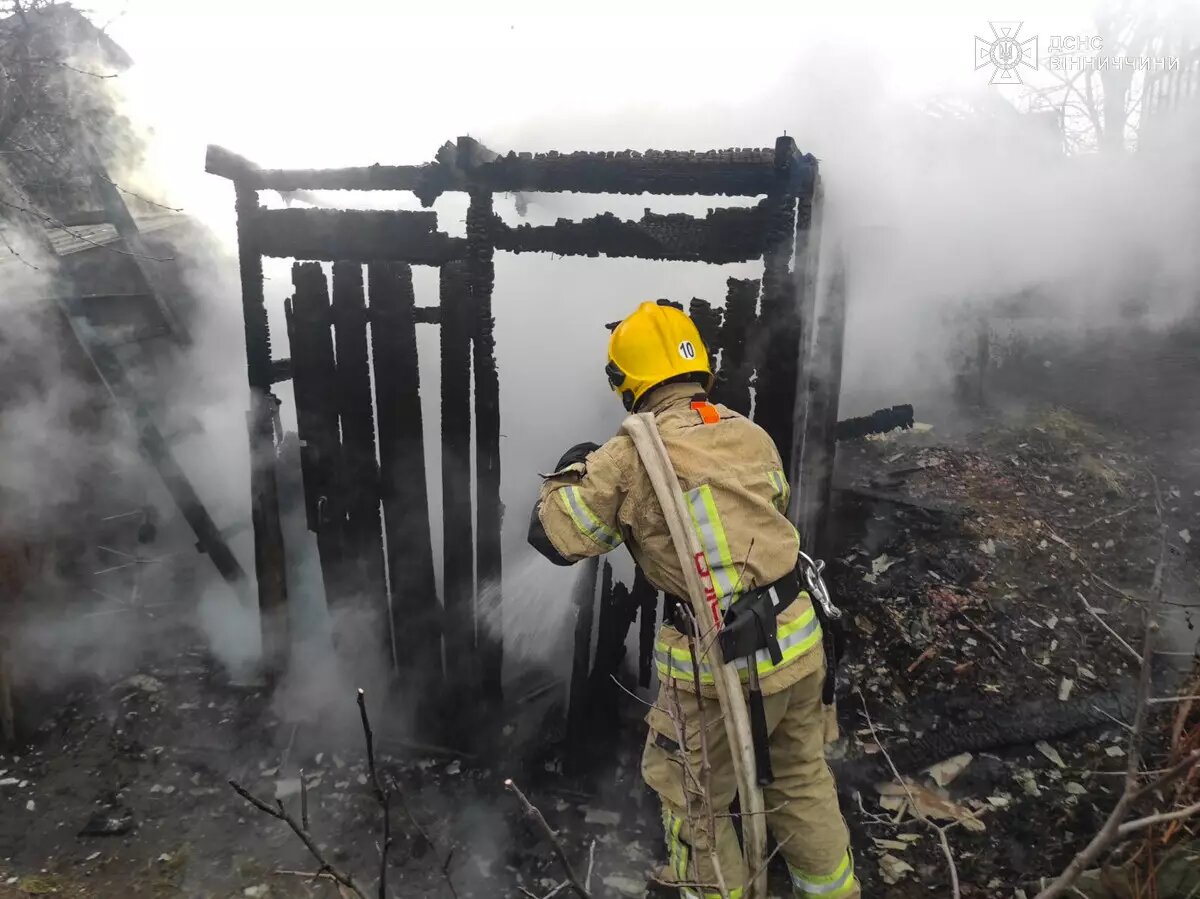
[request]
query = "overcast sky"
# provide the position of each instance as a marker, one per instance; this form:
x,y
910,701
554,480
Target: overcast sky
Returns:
x,y
300,82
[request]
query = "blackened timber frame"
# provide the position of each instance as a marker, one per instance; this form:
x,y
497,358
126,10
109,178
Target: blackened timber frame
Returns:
x,y
764,355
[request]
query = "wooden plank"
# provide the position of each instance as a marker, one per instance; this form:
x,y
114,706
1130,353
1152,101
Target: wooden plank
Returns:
x,y
488,508
314,387
458,576
354,235
359,479
269,560
416,615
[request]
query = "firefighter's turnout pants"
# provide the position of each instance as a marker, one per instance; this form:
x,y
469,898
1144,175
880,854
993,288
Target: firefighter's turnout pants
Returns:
x,y
801,803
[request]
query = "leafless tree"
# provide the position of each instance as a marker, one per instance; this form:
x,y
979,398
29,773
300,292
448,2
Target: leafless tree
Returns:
x,y
1101,107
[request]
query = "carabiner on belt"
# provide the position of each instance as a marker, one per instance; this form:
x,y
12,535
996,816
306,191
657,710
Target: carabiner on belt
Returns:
x,y
816,586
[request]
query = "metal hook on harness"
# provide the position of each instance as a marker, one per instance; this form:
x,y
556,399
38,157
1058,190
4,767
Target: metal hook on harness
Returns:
x,y
816,586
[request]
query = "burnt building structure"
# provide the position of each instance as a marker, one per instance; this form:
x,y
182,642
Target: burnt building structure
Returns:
x,y
367,502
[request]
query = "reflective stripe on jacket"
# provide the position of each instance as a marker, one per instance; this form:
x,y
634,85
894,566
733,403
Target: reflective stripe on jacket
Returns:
x,y
737,496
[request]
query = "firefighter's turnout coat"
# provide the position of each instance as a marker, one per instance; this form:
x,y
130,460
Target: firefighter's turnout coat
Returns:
x,y
737,496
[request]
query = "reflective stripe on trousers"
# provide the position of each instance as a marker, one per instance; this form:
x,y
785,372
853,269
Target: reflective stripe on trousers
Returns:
x,y
686,893
588,523
829,886
795,639
677,849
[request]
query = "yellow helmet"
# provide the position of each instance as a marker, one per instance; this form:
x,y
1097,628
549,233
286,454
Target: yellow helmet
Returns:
x,y
656,343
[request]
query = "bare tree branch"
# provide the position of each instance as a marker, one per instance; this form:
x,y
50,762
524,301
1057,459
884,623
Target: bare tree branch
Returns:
x,y
281,814
532,812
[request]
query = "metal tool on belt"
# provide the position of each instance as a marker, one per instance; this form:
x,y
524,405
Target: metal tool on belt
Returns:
x,y
834,636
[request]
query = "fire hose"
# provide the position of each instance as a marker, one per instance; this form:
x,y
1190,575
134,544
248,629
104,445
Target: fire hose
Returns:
x,y
646,439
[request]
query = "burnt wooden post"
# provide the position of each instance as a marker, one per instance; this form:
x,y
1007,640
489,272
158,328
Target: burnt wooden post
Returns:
x,y
414,602
645,596
824,388
360,473
708,323
805,509
737,326
584,598
314,386
458,562
775,396
489,512
269,561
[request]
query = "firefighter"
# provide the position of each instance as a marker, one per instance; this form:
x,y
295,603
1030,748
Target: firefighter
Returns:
x,y
600,497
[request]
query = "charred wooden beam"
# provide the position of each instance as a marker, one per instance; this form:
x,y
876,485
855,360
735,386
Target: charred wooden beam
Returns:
x,y
878,422
427,181
360,473
269,561
724,235
281,370
737,326
458,576
315,389
735,172
645,596
775,396
824,386
730,172
355,235
489,510
708,323
618,607
809,213
416,615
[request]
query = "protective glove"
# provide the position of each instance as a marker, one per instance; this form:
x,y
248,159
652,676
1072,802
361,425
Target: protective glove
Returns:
x,y
577,453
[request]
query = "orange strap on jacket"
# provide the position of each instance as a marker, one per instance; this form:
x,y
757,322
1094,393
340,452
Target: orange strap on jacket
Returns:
x,y
708,412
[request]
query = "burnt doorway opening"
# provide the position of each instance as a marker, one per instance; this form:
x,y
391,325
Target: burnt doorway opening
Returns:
x,y
353,363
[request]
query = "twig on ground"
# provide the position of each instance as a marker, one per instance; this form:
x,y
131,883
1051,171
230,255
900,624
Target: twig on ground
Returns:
x,y
999,648
912,802
1104,624
1103,518
1165,699
532,812
587,880
281,814
1161,818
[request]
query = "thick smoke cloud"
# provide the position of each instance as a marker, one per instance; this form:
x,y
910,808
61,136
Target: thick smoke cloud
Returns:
x,y
938,213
